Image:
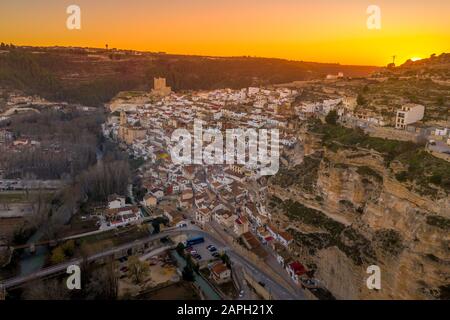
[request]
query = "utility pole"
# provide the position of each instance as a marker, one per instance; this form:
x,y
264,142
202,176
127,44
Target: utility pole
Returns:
x,y
2,292
393,59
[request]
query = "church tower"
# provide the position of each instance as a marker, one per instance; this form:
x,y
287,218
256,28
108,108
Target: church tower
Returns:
x,y
123,118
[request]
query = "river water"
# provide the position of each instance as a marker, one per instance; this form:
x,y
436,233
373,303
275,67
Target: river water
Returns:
x,y
30,263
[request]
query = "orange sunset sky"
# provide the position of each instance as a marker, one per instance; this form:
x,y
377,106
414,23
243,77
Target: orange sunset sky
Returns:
x,y
319,30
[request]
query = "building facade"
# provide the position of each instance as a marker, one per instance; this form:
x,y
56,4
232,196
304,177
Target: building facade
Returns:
x,y
408,114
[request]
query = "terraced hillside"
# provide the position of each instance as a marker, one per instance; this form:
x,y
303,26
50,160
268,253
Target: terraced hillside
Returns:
x,y
94,76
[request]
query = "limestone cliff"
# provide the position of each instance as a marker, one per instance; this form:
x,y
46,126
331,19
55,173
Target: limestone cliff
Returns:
x,y
347,211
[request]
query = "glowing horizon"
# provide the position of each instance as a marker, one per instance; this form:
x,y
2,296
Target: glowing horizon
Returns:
x,y
320,31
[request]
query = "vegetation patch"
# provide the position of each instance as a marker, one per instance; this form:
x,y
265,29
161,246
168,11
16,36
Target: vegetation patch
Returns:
x,y
439,222
348,240
444,292
359,251
389,240
337,137
313,241
68,141
425,170
136,163
298,212
304,175
346,203
367,171
63,252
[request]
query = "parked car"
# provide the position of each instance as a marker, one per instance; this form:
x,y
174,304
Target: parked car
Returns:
x,y
309,283
216,254
191,250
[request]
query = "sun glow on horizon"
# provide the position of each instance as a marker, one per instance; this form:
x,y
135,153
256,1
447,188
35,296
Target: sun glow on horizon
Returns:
x,y
319,31
416,58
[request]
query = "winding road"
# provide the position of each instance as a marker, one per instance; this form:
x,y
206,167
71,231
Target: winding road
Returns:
x,y
278,291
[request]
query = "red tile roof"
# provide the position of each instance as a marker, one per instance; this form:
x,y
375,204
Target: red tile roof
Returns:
x,y
218,268
297,267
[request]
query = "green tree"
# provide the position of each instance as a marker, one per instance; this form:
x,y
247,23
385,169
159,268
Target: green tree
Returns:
x,y
331,117
192,264
58,255
436,179
188,273
180,249
226,259
62,252
360,100
69,248
137,269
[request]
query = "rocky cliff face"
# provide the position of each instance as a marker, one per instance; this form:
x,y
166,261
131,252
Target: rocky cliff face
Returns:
x,y
346,212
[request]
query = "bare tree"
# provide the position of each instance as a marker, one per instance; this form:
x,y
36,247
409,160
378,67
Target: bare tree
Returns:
x,y
103,283
46,290
137,269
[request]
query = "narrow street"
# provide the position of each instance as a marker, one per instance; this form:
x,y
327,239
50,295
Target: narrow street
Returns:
x,y
247,292
276,270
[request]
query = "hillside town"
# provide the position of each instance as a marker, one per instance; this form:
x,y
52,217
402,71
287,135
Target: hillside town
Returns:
x,y
233,199
218,159
203,215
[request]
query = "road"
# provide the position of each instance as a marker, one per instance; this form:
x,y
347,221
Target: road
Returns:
x,y
272,262
63,266
248,294
277,290
287,285
21,185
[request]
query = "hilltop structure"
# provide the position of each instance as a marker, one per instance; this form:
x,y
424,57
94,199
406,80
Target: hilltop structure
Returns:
x,y
160,88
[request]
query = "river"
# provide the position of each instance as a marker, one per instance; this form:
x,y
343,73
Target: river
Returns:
x,y
30,263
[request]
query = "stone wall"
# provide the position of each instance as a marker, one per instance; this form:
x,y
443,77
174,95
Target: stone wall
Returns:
x,y
393,134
